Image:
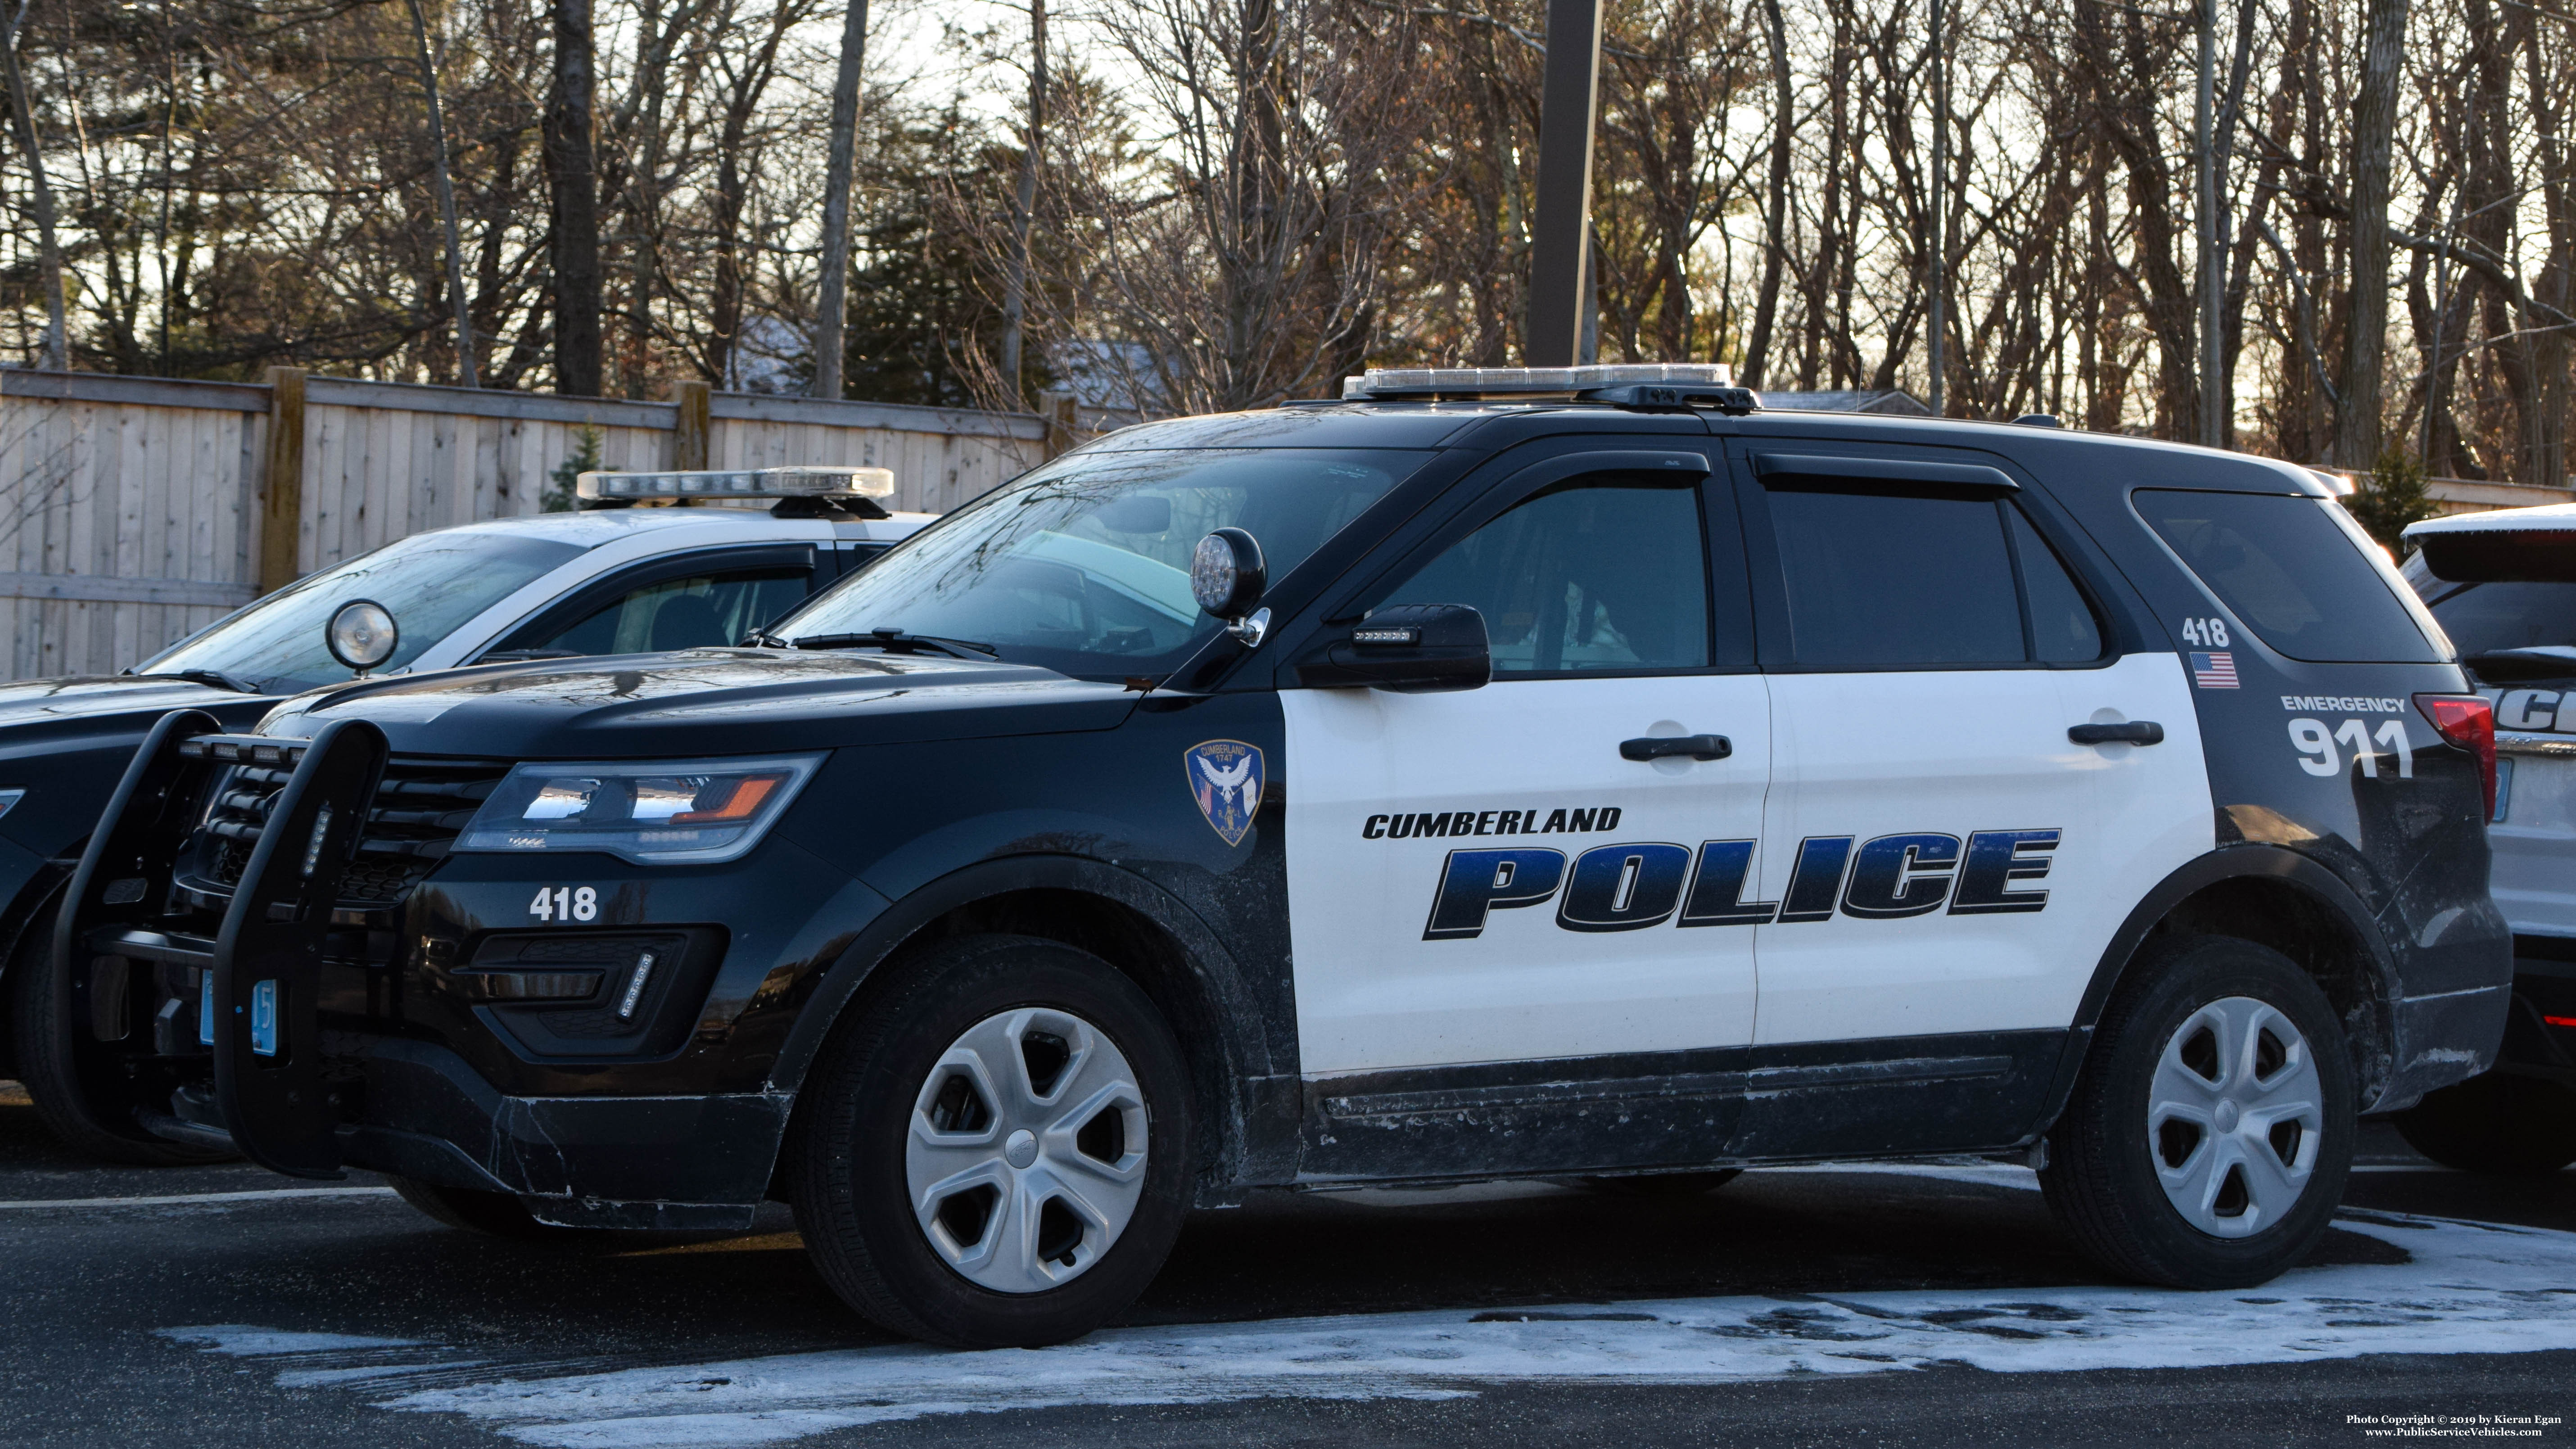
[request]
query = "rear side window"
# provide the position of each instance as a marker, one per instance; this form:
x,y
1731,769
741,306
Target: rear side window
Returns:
x,y
1880,580
2292,571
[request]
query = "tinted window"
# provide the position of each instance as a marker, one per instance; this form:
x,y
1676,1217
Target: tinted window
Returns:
x,y
1601,573
1083,565
2292,569
690,613
432,582
1881,580
2483,618
2062,627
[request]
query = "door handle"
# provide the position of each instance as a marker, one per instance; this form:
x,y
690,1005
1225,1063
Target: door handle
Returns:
x,y
1697,747
2135,732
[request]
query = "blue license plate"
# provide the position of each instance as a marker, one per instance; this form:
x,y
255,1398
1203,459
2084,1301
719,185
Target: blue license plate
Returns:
x,y
263,1018
205,1008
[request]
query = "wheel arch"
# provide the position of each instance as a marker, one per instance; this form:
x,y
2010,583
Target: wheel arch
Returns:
x,y
34,894
1247,1123
2274,897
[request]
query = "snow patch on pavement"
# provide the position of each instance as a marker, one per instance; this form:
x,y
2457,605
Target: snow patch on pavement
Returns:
x,y
2470,1288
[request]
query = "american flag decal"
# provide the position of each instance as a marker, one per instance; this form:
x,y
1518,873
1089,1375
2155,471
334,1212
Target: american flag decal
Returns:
x,y
2214,671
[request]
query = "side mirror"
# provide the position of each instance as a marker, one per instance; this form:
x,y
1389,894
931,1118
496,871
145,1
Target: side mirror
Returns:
x,y
361,634
1227,578
1407,648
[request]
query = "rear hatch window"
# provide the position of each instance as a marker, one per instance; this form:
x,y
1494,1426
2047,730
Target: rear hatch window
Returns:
x,y
2295,570
2507,598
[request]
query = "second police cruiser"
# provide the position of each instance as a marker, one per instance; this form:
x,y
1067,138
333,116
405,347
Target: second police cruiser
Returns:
x,y
1578,774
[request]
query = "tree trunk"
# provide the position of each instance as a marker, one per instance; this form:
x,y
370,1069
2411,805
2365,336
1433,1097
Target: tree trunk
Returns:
x,y
2365,340
1015,288
831,311
446,201
1775,222
49,257
572,186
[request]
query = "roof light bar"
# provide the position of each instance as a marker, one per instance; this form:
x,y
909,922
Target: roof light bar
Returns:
x,y
812,481
1677,385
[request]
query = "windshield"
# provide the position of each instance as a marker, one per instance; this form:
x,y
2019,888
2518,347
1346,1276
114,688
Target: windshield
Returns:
x,y
431,583
1083,566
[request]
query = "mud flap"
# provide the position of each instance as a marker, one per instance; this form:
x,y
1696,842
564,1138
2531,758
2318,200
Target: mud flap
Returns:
x,y
123,879
268,956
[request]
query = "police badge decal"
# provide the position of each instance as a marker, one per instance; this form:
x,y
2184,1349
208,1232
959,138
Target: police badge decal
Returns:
x,y
1225,778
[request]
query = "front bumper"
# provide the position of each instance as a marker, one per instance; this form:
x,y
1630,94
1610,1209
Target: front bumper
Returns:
x,y
698,1163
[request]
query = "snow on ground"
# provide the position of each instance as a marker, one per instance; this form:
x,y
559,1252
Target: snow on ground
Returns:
x,y
2469,1288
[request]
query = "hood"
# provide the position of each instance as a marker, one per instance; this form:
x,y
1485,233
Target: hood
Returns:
x,y
708,702
79,704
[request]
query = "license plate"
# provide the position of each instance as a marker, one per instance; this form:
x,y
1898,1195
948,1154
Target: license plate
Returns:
x,y
205,1008
263,1018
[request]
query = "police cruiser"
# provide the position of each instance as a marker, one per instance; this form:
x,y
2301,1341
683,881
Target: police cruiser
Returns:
x,y
2503,586
1575,774
612,579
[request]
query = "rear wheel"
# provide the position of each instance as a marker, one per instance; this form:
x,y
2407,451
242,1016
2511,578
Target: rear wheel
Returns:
x,y
2497,1123
80,1093
995,1153
2208,1140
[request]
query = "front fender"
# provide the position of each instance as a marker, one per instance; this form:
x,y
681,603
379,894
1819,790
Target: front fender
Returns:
x,y
1258,1123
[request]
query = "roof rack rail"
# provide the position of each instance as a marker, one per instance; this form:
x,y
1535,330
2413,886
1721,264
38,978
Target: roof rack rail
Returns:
x,y
1646,387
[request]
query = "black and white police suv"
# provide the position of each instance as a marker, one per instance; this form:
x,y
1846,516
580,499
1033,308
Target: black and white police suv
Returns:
x,y
615,580
2503,587
1560,774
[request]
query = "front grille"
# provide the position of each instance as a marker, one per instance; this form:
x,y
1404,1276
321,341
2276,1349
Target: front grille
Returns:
x,y
420,808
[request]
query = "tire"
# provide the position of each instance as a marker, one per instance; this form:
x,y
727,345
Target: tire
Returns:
x,y
1048,1077
2209,1137
2496,1123
1665,1186
80,1096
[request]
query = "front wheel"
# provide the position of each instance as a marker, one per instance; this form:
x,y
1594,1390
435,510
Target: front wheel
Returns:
x,y
2495,1123
2208,1140
995,1153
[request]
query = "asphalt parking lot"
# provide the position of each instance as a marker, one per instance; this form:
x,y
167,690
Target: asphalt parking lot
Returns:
x,y
1905,1305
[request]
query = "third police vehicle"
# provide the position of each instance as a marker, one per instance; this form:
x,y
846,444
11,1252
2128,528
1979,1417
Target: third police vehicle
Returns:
x,y
1581,774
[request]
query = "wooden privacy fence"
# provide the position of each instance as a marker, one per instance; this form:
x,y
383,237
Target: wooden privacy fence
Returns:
x,y
136,510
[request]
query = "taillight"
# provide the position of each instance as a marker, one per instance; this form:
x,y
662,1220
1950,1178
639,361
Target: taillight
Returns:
x,y
2467,721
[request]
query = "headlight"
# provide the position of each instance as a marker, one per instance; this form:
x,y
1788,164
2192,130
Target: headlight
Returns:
x,y
652,812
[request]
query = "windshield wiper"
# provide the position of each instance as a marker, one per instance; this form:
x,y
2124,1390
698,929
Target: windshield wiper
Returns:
x,y
895,641
216,677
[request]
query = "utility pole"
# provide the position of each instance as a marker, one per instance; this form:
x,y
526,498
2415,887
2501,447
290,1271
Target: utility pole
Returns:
x,y
446,190
1561,226
1940,243
49,256
2213,399
1015,291
831,306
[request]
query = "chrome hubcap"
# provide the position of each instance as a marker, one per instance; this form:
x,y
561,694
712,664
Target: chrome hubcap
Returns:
x,y
2235,1116
1027,1153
